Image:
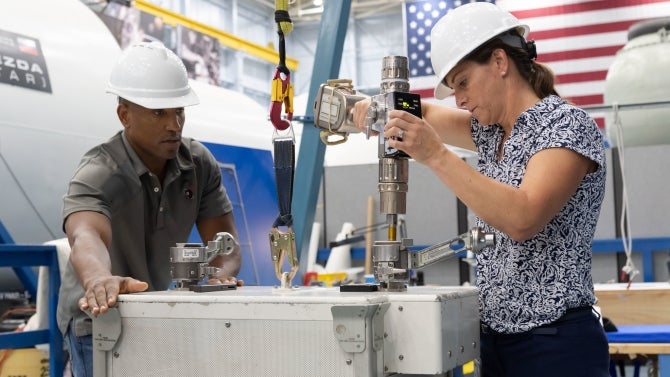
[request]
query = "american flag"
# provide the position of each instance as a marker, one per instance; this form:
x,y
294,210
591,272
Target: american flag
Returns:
x,y
420,16
577,39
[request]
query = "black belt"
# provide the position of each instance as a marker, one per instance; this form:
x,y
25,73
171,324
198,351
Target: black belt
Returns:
x,y
547,329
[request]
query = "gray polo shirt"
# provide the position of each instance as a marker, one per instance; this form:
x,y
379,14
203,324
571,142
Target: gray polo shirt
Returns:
x,y
147,217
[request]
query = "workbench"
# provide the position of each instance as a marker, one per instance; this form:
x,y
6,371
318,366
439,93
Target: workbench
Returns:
x,y
641,314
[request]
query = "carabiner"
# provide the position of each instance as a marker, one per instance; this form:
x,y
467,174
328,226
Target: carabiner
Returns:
x,y
282,92
282,245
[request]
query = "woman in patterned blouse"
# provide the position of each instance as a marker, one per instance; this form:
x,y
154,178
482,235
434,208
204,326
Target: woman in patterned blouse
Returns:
x,y
539,186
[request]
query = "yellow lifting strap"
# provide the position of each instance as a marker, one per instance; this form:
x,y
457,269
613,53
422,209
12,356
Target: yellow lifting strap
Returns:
x,y
284,23
282,89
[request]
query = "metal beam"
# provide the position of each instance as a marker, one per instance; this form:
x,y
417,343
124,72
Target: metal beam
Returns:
x,y
309,169
226,39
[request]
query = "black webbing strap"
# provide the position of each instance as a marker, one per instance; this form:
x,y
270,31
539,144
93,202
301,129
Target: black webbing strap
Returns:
x,y
284,26
282,16
284,157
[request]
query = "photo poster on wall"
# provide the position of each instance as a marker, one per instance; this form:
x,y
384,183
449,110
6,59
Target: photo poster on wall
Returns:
x,y
201,54
130,25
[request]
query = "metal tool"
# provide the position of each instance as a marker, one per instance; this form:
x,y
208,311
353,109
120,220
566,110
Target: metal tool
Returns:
x,y
190,262
333,105
282,247
392,260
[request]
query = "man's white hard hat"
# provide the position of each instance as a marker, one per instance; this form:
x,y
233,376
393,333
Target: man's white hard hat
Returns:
x,y
461,31
152,76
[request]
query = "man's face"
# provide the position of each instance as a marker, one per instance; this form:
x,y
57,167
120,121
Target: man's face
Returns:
x,y
154,134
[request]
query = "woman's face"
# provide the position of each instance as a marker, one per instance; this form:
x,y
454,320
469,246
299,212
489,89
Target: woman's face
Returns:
x,y
477,88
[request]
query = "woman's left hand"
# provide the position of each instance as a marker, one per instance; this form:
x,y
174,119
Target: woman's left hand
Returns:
x,y
414,136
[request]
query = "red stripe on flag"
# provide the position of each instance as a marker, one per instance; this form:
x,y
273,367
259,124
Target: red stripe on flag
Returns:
x,y
595,52
591,99
581,77
580,7
600,122
582,30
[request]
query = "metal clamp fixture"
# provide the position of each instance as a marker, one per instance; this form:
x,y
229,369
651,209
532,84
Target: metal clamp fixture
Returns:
x,y
190,261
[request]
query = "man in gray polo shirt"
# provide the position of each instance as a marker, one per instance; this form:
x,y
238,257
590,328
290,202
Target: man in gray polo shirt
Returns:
x,y
136,195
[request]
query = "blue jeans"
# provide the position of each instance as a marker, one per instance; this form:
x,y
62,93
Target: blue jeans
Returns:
x,y
81,353
575,345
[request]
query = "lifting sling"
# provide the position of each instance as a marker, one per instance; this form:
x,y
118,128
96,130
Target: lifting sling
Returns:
x,y
282,244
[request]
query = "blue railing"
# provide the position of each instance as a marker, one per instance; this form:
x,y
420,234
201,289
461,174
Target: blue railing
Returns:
x,y
25,274
37,255
646,246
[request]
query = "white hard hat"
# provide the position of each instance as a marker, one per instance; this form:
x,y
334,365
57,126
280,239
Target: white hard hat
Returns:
x,y
152,76
461,31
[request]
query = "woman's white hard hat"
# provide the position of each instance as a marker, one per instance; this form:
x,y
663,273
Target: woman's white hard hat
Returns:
x,y
461,31
152,76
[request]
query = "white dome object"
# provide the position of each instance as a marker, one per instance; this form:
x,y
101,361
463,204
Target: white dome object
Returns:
x,y
640,74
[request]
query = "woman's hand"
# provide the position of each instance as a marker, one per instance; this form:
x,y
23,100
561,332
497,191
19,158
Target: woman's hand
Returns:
x,y
414,136
359,112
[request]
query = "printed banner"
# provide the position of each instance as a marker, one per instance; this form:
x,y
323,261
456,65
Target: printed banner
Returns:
x,y
22,62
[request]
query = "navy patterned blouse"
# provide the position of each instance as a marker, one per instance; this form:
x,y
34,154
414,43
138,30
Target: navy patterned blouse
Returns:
x,y
527,284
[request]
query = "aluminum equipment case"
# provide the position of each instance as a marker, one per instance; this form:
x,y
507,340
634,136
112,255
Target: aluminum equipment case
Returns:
x,y
306,331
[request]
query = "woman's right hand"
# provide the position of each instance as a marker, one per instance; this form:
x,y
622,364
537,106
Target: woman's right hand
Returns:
x,y
359,113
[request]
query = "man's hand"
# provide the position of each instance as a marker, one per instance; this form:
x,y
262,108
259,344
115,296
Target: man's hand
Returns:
x,y
101,293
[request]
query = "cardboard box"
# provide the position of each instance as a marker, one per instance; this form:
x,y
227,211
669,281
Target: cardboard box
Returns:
x,y
641,304
24,362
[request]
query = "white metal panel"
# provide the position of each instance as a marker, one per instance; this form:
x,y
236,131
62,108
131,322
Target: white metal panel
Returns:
x,y
266,331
